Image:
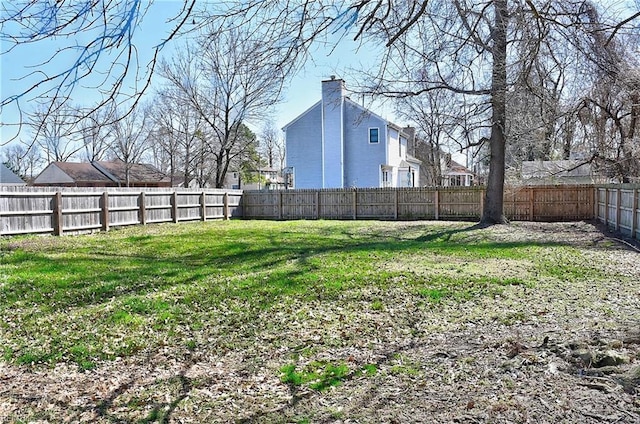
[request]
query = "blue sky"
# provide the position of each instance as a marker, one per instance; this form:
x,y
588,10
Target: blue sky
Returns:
x,y
300,93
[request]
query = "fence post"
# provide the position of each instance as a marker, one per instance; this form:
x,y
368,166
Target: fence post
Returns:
x,y
57,214
243,205
606,206
531,202
174,206
436,203
225,204
618,209
143,208
595,197
317,204
280,205
395,204
104,215
355,203
203,206
634,214
481,203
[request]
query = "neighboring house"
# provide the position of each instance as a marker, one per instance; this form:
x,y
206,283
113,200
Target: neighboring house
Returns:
x,y
337,143
557,172
455,174
265,179
261,179
101,174
8,178
233,180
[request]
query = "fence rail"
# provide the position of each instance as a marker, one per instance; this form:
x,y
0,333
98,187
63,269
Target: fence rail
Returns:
x,y
58,211
68,210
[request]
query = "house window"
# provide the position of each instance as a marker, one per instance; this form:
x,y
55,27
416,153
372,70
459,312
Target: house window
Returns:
x,y
374,135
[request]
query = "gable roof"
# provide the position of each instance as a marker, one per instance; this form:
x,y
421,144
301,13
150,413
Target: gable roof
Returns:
x,y
138,172
7,177
351,103
454,168
100,174
83,171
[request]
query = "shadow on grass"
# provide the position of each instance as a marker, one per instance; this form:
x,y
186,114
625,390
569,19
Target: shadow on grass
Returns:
x,y
177,278
276,265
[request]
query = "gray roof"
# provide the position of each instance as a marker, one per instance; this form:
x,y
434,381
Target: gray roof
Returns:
x,y
7,177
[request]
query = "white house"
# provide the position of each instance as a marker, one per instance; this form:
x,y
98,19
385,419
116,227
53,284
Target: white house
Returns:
x,y
455,174
339,144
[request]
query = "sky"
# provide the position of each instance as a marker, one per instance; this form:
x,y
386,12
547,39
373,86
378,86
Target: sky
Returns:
x,y
302,91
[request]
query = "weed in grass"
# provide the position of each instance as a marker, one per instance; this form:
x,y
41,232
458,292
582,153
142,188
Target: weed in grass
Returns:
x,y
319,375
7,353
36,357
512,318
291,376
377,305
124,317
433,295
369,370
404,366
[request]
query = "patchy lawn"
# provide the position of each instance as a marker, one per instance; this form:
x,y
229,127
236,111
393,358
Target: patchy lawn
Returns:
x,y
321,321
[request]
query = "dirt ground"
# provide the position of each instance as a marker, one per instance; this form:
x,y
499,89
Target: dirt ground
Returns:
x,y
562,352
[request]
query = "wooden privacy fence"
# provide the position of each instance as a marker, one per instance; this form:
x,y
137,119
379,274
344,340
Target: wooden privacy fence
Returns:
x,y
72,210
42,210
374,203
618,206
525,203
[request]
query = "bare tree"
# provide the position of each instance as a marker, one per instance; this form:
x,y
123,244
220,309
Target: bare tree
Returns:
x,y
108,49
437,116
609,112
475,49
22,160
177,130
461,46
272,145
54,129
94,130
230,77
129,138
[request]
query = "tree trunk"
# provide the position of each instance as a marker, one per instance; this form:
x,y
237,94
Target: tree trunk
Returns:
x,y
494,198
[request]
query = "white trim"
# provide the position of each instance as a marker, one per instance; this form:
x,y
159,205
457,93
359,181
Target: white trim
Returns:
x,y
386,143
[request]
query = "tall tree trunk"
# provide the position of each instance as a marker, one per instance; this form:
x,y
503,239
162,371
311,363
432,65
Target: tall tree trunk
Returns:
x,y
494,198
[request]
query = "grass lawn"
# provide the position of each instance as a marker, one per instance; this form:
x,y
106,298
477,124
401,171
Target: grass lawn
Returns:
x,y
285,295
